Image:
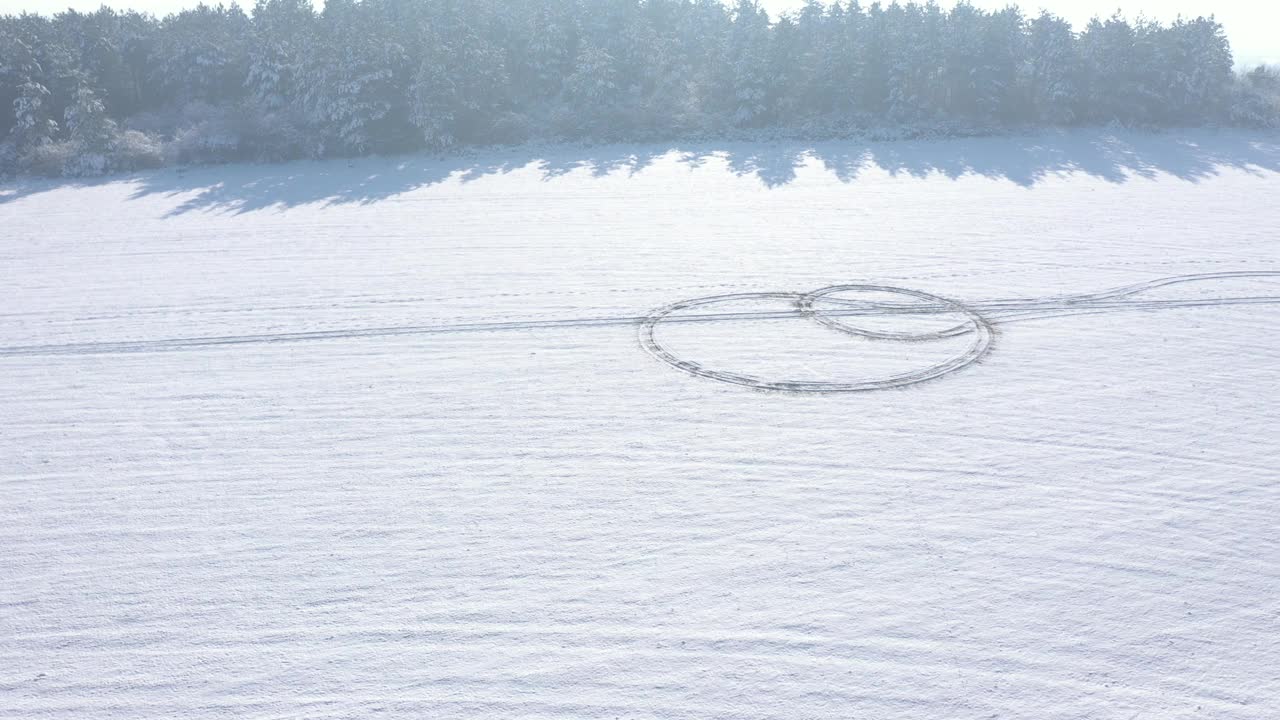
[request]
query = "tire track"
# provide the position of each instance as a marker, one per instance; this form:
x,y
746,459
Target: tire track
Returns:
x,y
992,312
1027,307
982,330
979,320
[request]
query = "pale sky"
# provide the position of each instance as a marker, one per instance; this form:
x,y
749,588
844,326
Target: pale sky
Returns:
x,y
1252,25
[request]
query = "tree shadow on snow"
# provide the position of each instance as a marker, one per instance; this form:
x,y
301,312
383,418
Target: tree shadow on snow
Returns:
x,y
1027,161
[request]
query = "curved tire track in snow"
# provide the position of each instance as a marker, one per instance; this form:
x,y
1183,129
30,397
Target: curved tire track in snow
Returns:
x,y
980,321
1026,308
983,333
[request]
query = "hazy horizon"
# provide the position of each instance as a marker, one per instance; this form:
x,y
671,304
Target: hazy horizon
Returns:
x,y
1249,25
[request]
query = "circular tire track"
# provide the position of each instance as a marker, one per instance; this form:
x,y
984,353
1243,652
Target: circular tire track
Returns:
x,y
972,323
977,325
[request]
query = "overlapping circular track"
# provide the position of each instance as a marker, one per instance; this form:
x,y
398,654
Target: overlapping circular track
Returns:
x,y
975,324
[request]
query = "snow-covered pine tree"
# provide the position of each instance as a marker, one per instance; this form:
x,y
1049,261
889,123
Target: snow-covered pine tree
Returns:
x,y
202,54
812,89
915,85
106,57
962,59
434,100
748,65
34,124
645,62
873,91
1003,48
548,52
1197,64
92,135
87,121
8,76
459,87
354,89
32,112
847,61
1118,71
698,37
593,89
786,76
1050,70
282,34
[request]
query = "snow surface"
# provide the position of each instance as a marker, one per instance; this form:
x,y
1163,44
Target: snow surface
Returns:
x,y
409,481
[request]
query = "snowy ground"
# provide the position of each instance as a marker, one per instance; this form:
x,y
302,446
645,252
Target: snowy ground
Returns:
x,y
427,470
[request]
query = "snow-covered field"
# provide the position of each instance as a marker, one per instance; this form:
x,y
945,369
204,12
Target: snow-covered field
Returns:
x,y
381,439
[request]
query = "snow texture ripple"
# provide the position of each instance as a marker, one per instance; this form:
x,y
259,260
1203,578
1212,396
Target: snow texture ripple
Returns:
x,y
536,519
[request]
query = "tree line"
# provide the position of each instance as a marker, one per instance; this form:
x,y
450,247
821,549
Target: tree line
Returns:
x,y
90,93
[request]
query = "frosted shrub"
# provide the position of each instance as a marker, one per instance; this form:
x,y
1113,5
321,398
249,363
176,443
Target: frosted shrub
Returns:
x,y
48,159
1256,98
85,164
130,150
204,143
8,158
511,128
155,123
268,135
205,135
134,150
